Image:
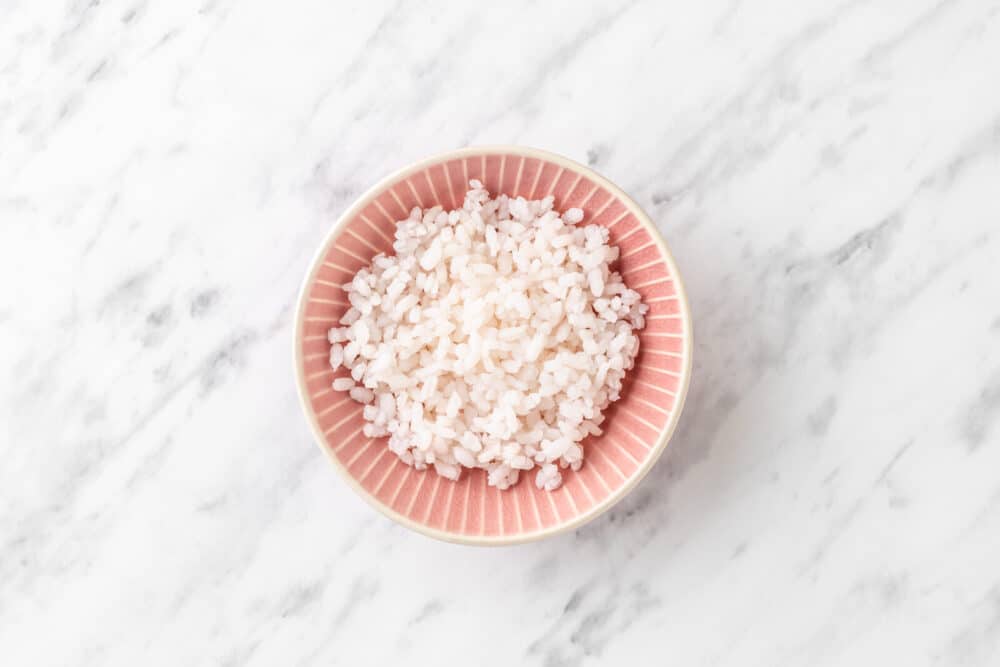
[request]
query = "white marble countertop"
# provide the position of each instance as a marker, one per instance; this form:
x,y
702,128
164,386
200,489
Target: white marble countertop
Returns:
x,y
827,174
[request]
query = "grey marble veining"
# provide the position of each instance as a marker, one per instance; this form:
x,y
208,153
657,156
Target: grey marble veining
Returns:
x,y
827,177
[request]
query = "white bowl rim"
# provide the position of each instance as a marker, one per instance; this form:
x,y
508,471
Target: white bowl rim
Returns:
x,y
651,457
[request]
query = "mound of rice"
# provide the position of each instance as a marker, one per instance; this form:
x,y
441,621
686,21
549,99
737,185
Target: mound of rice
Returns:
x,y
494,338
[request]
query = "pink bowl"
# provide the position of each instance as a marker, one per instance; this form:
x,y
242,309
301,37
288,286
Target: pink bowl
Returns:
x,y
638,426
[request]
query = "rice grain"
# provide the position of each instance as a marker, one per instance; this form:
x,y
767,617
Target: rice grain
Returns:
x,y
494,338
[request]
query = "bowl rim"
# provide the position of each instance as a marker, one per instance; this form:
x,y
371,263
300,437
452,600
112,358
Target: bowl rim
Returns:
x,y
665,434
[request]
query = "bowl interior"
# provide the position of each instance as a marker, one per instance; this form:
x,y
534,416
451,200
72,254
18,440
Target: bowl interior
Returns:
x,y
637,426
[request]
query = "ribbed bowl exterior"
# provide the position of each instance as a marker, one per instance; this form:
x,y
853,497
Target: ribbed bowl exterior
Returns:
x,y
637,426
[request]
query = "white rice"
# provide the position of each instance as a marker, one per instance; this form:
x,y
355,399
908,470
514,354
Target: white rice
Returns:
x,y
494,338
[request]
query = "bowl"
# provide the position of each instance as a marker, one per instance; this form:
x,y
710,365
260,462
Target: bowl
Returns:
x,y
638,426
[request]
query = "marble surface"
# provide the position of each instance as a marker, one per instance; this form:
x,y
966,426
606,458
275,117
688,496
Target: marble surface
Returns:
x,y
827,174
